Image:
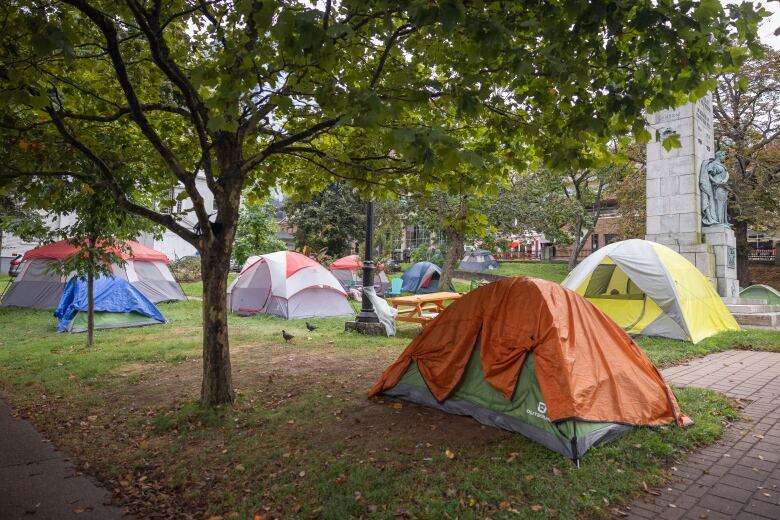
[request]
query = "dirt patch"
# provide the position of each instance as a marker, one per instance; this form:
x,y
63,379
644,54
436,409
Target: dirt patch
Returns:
x,y
372,422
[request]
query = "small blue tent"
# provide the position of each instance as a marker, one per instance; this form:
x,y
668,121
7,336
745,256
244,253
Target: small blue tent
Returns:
x,y
422,277
117,304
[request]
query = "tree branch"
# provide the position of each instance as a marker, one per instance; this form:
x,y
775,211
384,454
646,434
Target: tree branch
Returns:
x,y
147,107
117,192
401,31
278,146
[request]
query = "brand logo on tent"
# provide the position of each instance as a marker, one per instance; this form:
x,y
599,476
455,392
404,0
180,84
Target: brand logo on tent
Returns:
x,y
540,412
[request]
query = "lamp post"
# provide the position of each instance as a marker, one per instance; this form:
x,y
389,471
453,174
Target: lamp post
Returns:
x,y
367,314
367,322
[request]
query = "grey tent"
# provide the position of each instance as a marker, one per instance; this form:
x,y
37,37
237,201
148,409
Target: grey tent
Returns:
x,y
289,285
478,260
38,286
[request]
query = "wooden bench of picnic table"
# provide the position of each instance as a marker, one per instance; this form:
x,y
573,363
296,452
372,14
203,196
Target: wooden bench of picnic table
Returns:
x,y
421,308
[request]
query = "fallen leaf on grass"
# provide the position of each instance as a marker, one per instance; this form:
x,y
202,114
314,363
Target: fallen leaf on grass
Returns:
x,y
529,478
557,472
451,492
503,505
536,507
449,454
341,478
239,467
512,456
302,474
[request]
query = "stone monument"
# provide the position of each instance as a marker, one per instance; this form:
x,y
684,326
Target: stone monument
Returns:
x,y
687,192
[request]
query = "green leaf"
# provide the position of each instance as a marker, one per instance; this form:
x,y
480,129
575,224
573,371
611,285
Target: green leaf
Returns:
x,y
642,135
671,141
451,12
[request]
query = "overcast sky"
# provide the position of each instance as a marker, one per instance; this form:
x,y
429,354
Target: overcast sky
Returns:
x,y
767,29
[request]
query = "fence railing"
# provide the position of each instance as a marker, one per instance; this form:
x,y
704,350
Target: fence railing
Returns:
x,y
516,255
762,255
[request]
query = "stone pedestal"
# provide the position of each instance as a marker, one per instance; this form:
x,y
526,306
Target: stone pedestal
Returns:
x,y
369,329
673,196
723,243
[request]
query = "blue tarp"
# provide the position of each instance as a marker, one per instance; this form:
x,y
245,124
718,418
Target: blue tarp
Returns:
x,y
111,294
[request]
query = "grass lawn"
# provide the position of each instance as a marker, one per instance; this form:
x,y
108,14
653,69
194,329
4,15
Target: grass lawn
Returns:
x,y
302,440
548,271
196,288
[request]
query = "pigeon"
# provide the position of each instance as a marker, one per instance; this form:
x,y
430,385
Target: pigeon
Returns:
x,y
312,327
287,337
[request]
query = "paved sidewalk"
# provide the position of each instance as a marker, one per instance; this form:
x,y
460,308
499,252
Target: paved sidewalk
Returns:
x,y
37,482
739,477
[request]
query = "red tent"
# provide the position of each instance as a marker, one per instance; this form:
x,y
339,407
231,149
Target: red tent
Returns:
x,y
348,271
63,249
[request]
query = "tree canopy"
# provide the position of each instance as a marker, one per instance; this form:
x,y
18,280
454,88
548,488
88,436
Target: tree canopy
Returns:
x,y
333,219
746,107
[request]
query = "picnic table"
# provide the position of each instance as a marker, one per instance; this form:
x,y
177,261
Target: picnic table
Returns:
x,y
421,308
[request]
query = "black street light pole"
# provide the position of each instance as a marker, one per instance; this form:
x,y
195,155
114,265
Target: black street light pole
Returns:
x,y
367,314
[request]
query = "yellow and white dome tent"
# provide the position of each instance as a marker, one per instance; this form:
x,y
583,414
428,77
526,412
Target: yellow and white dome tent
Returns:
x,y
649,289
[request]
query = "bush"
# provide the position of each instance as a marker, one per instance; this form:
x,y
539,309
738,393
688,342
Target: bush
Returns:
x,y
426,253
186,269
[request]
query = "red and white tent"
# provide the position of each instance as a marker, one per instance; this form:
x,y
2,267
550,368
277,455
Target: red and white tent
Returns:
x,y
38,286
287,284
349,271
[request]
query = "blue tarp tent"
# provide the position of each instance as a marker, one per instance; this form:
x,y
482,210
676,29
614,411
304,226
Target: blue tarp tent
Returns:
x,y
422,277
117,304
478,260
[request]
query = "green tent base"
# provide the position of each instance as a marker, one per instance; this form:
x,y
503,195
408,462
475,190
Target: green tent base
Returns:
x,y
111,320
526,413
761,292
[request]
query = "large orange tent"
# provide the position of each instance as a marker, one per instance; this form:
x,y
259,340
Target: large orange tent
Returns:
x,y
529,356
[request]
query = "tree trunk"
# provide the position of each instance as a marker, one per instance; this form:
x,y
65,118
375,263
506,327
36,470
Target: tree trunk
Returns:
x,y
217,386
451,259
741,233
91,292
579,243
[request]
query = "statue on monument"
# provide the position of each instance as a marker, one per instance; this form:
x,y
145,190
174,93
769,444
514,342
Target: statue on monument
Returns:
x,y
713,184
